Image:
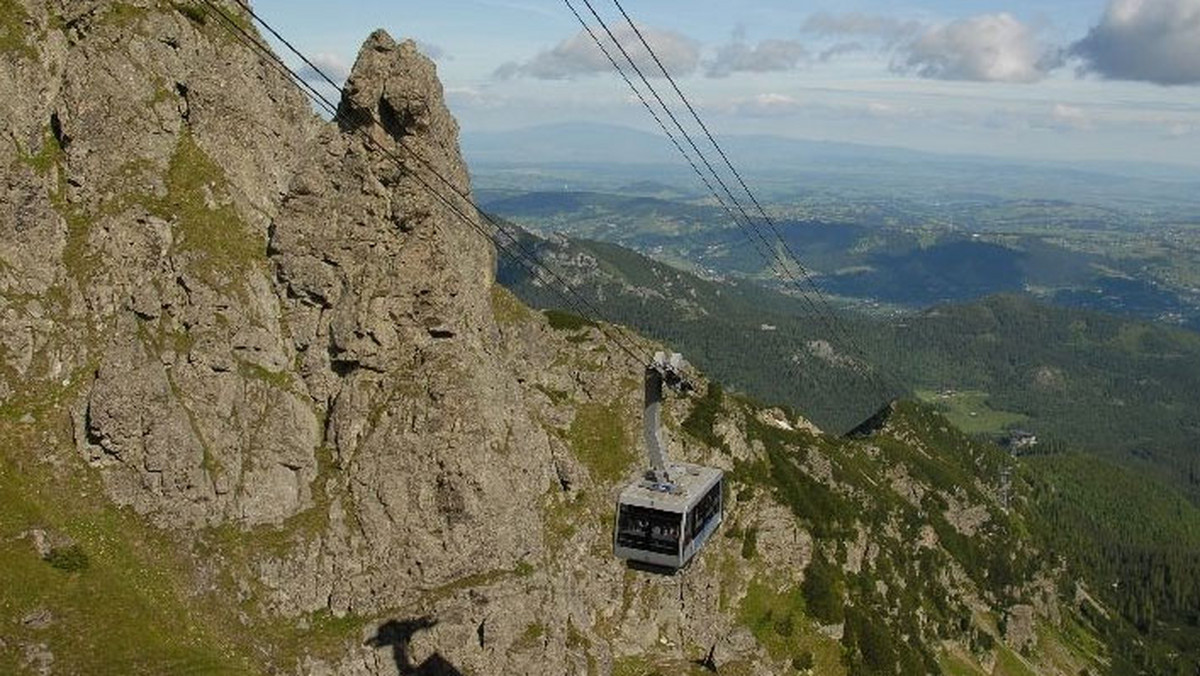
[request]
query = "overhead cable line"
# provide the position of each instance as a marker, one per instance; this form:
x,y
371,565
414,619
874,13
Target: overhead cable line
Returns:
x,y
826,316
755,238
526,259
775,262
766,217
748,226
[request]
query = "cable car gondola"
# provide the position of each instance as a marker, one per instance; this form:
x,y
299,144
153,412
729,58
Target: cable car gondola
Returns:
x,y
664,518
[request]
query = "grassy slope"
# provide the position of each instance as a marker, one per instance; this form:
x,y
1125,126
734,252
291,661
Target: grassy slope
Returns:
x,y
129,609
970,411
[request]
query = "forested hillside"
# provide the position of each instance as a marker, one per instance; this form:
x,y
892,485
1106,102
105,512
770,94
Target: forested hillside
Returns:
x,y
1117,387
1140,546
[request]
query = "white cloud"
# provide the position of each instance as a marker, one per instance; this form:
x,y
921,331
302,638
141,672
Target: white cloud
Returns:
x,y
857,23
986,48
830,53
332,65
768,56
578,55
433,51
1148,40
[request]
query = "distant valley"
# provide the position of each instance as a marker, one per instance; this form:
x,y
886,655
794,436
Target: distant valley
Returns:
x,y
865,222
897,261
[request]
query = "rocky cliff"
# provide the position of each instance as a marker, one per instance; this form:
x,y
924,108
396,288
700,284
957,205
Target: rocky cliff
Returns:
x,y
264,410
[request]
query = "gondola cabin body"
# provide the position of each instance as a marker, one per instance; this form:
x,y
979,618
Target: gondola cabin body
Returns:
x,y
666,524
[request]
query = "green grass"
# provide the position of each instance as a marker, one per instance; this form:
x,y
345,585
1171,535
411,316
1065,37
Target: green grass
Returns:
x,y
128,609
1069,644
634,666
953,665
565,321
560,517
637,665
281,380
970,412
780,625
507,309
71,558
192,12
14,34
1009,664
530,637
209,233
217,233
556,397
48,156
598,439
200,17
123,14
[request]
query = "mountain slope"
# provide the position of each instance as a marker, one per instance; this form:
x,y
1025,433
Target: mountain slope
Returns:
x,y
1031,358
1109,385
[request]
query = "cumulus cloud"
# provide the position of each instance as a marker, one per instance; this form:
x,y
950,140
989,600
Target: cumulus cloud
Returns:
x,y
331,65
1148,40
987,48
857,23
830,53
984,48
768,56
578,55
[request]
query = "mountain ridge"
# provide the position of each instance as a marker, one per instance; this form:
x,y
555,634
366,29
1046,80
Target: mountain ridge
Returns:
x,y
637,146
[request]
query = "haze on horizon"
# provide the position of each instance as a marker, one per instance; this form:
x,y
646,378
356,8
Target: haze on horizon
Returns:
x,y
1077,80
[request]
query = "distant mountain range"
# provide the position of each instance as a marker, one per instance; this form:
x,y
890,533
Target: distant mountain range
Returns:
x,y
574,144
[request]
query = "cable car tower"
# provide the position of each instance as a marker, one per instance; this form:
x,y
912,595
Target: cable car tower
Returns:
x,y
664,518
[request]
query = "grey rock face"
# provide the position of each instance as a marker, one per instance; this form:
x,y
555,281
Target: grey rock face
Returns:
x,y
138,192
386,293
241,285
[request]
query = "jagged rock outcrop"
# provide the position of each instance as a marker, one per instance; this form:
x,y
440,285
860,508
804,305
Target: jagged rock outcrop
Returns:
x,y
255,284
234,288
386,293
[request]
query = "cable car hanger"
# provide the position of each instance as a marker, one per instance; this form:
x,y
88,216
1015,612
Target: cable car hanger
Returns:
x,y
666,517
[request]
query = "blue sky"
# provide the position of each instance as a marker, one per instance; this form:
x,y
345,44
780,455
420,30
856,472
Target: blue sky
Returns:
x,y
1065,80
